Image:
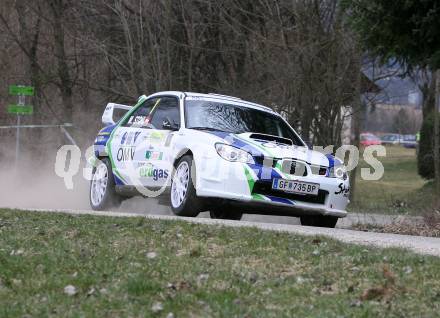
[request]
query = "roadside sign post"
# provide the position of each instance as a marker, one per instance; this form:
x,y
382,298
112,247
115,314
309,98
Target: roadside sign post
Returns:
x,y
20,109
17,141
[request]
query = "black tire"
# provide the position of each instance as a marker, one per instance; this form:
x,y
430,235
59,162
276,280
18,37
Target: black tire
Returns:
x,y
225,213
319,220
111,198
191,205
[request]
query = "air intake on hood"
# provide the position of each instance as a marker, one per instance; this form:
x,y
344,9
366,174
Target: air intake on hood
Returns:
x,y
280,140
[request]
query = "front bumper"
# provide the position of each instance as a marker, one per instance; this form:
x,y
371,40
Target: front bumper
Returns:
x,y
247,187
281,209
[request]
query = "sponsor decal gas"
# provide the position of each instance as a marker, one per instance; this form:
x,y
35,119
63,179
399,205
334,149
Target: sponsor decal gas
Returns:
x,y
149,171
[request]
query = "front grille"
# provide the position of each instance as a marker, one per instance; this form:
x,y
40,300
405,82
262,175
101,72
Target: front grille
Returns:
x,y
319,170
293,167
272,162
265,188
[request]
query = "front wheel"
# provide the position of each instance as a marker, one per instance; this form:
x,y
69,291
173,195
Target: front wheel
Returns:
x,y
102,187
319,220
184,200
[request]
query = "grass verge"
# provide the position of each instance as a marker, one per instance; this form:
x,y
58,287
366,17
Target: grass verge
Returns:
x,y
140,267
400,191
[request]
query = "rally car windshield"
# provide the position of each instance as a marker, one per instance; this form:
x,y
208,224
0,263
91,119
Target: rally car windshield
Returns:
x,y
209,115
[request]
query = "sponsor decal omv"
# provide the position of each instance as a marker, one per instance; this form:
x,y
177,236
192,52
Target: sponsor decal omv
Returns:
x,y
126,150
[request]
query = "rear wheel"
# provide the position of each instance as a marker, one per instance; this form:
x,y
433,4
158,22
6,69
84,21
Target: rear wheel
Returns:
x,y
184,200
225,213
319,220
102,187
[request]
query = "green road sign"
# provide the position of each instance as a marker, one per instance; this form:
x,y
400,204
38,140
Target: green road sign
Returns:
x,y
21,90
21,109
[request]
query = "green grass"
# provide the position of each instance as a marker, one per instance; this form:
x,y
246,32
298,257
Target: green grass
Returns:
x,y
400,191
200,271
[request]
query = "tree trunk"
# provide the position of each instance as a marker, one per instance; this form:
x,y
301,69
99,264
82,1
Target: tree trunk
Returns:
x,y
65,83
437,132
356,123
29,35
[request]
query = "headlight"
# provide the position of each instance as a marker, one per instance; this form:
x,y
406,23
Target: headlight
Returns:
x,y
339,172
233,154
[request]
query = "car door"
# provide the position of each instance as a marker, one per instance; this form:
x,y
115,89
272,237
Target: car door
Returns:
x,y
165,121
128,143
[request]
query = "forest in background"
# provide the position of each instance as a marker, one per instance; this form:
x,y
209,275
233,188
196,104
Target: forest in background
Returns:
x,y
298,57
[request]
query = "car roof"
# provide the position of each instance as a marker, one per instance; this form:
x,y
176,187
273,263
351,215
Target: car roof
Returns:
x,y
219,97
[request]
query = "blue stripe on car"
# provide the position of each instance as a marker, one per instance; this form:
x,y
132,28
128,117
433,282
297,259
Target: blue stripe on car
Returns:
x,y
331,161
108,129
118,181
280,200
101,140
263,173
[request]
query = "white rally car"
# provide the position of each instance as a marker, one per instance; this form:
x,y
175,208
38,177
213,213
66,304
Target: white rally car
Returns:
x,y
209,152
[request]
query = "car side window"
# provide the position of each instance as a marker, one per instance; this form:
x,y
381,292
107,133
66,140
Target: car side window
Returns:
x,y
141,117
167,114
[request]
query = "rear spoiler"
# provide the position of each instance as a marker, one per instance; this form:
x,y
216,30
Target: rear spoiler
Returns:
x,y
107,116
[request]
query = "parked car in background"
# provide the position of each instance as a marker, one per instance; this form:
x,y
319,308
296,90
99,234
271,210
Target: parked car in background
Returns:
x,y
409,141
368,139
391,139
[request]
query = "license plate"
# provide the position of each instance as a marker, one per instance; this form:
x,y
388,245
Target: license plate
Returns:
x,y
293,186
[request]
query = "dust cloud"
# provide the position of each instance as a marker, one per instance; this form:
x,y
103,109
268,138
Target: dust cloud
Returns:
x,y
33,184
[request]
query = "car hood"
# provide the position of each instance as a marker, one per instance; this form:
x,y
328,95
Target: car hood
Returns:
x,y
272,149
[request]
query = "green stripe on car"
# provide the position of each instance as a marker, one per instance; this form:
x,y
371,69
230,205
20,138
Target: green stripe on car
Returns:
x,y
250,178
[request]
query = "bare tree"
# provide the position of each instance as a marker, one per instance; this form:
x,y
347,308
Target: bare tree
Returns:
x,y
295,56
